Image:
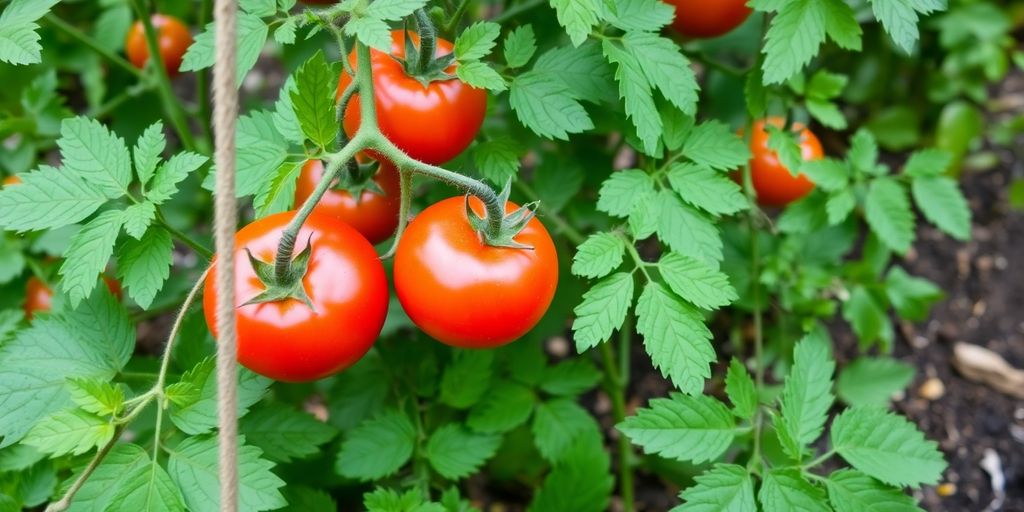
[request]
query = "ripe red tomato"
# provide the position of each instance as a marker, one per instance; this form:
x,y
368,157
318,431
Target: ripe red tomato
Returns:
x,y
173,38
774,185
467,294
374,215
432,124
11,180
286,340
708,18
39,297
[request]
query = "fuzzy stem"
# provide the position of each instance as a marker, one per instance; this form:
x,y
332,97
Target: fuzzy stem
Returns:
x,y
453,22
616,386
183,238
92,44
405,200
428,40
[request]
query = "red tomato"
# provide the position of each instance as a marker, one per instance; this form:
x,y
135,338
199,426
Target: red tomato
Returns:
x,y
39,297
11,180
467,294
173,39
774,185
373,215
286,340
708,18
432,124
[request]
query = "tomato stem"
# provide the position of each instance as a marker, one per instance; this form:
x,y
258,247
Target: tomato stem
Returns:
x,y
428,41
92,44
405,186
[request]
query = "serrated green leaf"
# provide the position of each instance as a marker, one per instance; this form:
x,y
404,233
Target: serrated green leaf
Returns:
x,y
690,428
547,106
570,378
137,218
602,311
498,159
827,113
840,205
665,67
799,29
19,42
455,452
693,280
359,392
520,45
71,431
942,203
149,488
476,41
372,32
92,152
278,194
638,15
637,94
313,100
873,381
577,16
391,10
556,424
786,489
96,396
827,173
807,394
739,386
723,488
285,32
853,491
863,153
173,171
505,406
201,416
886,447
46,199
284,433
145,264
899,18
584,70
193,466
466,378
148,148
865,315
911,297
675,337
480,75
259,7
927,163
598,255
377,447
686,230
707,189
623,190
888,213
252,35
88,254
580,481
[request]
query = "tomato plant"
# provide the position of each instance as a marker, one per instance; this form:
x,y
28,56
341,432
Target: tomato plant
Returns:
x,y
465,293
173,39
297,340
627,255
373,212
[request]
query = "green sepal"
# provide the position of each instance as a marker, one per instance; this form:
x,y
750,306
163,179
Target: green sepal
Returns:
x,y
511,224
360,181
434,72
288,286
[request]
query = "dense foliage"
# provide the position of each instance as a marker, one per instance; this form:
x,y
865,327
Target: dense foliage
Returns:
x,y
714,206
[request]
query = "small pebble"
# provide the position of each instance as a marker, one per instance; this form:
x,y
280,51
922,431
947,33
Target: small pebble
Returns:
x,y
558,346
946,490
932,389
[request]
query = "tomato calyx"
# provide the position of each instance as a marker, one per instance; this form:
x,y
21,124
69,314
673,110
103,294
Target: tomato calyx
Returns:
x,y
420,62
359,180
511,224
282,285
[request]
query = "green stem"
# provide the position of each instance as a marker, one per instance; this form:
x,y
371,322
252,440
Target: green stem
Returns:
x,y
129,93
517,10
172,107
453,22
93,45
183,238
616,386
640,263
405,202
428,40
563,226
827,455
65,501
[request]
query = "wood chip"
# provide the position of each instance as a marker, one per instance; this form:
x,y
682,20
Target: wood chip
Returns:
x,y
987,367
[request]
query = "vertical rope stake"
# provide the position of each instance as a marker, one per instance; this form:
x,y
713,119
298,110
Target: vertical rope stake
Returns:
x,y
225,113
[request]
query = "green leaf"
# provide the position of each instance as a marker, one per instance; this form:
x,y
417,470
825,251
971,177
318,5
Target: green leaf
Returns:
x,y
786,489
88,254
723,488
804,216
71,431
377,448
911,297
713,144
927,163
19,42
853,491
480,75
137,218
284,433
520,45
739,386
580,481
388,500
665,67
259,7
455,452
46,199
863,153
149,488
886,447
623,190
92,152
279,193
96,396
370,31
193,466
201,416
807,394
577,16
598,255
707,189
686,230
637,93
899,17
873,381
786,146
261,151
556,424
252,35
799,29
109,479
148,148
889,215
144,265
584,70
675,337
307,499
689,428
102,323
173,171
866,316
477,41
547,106
498,159
693,280
285,32
828,173
602,311
839,206
942,203
313,100
505,406
570,378
466,379
391,10
827,113
359,392
638,15
825,85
